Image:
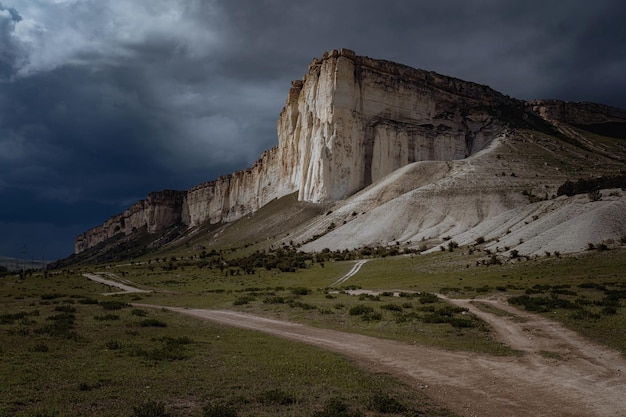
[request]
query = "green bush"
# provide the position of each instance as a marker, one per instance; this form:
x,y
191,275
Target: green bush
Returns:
x,y
300,291
52,296
335,407
11,318
65,309
219,410
542,304
391,307
150,409
139,312
274,300
428,298
107,317
87,300
113,305
383,403
243,300
276,397
584,314
40,347
300,304
360,309
113,345
152,323
377,316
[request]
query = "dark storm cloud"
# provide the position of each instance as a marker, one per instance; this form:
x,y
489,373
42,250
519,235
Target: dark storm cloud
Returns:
x,y
10,48
103,101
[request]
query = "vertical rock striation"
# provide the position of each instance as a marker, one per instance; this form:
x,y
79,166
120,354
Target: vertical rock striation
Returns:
x,y
349,122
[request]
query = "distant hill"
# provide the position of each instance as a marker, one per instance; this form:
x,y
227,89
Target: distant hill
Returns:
x,y
16,264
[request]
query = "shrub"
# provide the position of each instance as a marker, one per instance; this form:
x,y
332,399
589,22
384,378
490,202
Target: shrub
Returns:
x,y
391,307
113,345
138,312
276,397
370,297
274,300
152,323
243,300
40,347
428,298
113,305
383,403
65,309
150,409
107,317
52,296
335,407
360,309
304,306
87,300
584,314
300,291
11,318
372,316
542,304
609,310
594,195
219,410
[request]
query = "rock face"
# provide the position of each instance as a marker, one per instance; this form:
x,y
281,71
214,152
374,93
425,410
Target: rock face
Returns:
x,y
349,122
354,120
158,212
576,113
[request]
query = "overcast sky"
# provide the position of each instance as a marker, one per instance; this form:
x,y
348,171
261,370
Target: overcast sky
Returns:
x,y
103,101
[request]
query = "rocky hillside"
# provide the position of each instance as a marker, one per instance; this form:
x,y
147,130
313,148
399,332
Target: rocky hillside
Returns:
x,y
405,156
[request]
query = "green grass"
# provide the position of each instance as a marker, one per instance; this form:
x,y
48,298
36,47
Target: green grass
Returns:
x,y
187,367
66,349
456,274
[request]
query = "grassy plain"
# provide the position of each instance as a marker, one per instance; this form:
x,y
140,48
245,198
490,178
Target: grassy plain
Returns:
x,y
68,350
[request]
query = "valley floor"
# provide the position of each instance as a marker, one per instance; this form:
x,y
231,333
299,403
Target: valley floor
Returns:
x,y
558,372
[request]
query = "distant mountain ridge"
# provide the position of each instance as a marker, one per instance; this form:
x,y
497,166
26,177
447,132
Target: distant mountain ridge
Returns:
x,y
16,264
350,123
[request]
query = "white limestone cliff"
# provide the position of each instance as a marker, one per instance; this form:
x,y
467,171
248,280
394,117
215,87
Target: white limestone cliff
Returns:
x,y
349,122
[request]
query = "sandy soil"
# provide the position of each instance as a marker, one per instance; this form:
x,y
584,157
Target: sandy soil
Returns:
x,y
585,380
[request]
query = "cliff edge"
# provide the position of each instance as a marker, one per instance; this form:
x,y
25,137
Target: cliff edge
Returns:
x,y
350,121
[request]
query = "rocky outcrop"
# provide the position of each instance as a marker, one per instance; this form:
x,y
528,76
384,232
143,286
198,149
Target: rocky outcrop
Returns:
x,y
576,113
349,122
353,120
156,213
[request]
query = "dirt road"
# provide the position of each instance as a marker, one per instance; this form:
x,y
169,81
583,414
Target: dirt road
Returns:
x,y
560,373
124,287
356,268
